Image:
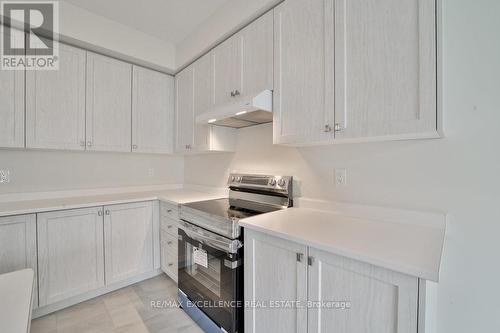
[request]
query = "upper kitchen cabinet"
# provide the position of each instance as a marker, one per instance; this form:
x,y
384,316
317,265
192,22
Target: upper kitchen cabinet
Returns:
x,y
55,103
303,99
202,99
207,137
152,112
12,105
193,91
243,64
355,70
109,89
227,70
184,119
385,69
257,55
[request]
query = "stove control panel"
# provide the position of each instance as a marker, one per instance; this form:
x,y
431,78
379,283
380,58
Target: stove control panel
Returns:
x,y
282,184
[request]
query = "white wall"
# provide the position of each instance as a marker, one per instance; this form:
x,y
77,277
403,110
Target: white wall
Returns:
x,y
35,171
101,34
229,18
459,174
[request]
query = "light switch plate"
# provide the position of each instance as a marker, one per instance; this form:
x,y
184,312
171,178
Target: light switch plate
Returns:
x,y
4,176
340,177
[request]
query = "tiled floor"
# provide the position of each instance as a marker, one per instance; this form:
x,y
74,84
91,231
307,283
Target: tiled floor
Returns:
x,y
125,310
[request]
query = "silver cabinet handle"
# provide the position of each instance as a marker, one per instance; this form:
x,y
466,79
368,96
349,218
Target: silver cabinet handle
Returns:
x,y
89,143
108,212
310,261
169,211
338,127
134,146
82,143
169,242
169,227
170,264
236,93
99,213
299,257
232,94
327,129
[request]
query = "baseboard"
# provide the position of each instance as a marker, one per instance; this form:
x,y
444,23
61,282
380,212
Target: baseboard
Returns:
x,y
45,310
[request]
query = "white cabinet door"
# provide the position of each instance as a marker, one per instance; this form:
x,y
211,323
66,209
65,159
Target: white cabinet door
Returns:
x,y
227,61
385,68
184,119
70,253
257,60
203,92
379,300
109,98
12,105
55,103
303,72
275,270
18,246
152,112
129,240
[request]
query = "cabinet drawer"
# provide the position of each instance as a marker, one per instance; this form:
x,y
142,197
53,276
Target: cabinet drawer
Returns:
x,y
169,242
169,210
169,225
169,262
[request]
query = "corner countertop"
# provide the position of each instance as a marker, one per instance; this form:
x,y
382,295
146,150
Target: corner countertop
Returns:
x,y
413,249
16,289
175,196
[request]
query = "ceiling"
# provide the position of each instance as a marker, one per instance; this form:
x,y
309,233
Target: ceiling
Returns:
x,y
169,20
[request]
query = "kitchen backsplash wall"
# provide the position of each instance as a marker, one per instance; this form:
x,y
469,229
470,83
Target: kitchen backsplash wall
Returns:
x,y
35,171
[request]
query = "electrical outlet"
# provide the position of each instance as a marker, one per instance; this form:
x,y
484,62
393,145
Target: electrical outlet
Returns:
x,y
151,172
340,177
4,176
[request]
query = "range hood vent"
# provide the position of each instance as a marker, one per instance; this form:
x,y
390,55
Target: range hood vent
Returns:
x,y
246,111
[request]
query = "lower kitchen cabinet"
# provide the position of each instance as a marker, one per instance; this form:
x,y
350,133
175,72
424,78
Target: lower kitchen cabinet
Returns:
x,y
275,270
70,253
169,215
336,294
18,246
129,235
364,298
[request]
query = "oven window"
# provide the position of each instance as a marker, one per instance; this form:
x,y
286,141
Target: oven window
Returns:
x,y
209,277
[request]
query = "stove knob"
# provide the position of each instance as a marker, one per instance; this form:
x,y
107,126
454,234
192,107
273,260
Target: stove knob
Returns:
x,y
281,182
272,182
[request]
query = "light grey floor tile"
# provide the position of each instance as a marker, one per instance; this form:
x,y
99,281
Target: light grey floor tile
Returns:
x,y
127,310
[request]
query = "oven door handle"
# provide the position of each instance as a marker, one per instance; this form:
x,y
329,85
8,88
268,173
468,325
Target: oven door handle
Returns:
x,y
209,238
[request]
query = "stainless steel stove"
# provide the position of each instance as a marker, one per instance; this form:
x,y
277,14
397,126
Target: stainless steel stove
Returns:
x,y
211,248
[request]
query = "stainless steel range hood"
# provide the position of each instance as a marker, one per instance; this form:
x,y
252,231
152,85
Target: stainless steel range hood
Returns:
x,y
246,111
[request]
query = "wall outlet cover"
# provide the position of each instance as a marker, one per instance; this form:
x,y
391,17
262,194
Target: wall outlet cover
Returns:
x,y
4,176
340,177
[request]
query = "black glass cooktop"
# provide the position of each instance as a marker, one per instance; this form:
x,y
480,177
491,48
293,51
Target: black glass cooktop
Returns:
x,y
231,208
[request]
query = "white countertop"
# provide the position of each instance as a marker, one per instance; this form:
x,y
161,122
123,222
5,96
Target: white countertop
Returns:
x,y
176,196
407,248
16,290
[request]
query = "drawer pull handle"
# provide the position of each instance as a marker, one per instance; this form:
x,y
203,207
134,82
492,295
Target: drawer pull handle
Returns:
x,y
169,227
170,264
169,211
169,242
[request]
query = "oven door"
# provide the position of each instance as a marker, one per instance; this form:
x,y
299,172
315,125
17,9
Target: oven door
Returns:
x,y
211,275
